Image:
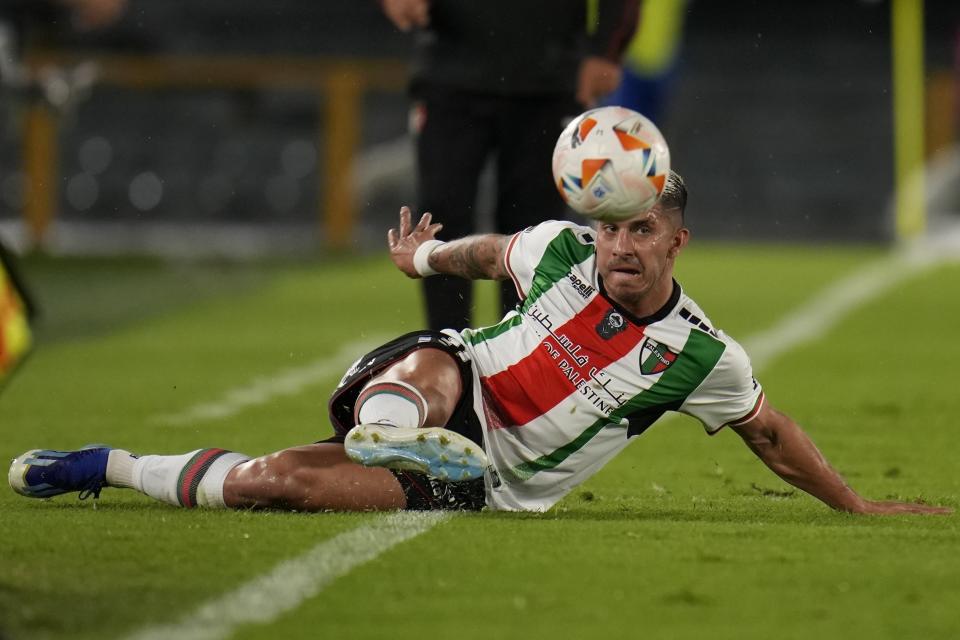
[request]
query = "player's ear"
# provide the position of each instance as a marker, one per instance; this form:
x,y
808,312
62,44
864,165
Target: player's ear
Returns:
x,y
680,239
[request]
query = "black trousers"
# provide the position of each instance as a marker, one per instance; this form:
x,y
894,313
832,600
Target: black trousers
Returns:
x,y
458,132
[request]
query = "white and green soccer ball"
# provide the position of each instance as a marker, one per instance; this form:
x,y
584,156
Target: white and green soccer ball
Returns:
x,y
611,163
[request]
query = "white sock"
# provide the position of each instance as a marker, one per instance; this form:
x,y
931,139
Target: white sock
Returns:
x,y
188,480
397,404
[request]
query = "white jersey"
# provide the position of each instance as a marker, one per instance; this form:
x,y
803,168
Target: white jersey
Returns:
x,y
563,383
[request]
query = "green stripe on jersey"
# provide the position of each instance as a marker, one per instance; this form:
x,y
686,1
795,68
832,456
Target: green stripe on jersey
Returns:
x,y
476,336
561,255
699,356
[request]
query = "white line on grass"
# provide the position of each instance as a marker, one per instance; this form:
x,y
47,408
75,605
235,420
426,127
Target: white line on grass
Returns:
x,y
293,581
265,598
825,309
264,389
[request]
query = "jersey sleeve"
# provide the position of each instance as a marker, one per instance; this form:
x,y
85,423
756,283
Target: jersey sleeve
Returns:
x,y
729,394
526,249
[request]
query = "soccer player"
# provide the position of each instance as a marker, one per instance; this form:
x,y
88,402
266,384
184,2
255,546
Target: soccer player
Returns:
x,y
511,416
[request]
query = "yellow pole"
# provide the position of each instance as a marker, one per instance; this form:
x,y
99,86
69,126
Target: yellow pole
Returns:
x,y
341,131
40,164
906,18
593,16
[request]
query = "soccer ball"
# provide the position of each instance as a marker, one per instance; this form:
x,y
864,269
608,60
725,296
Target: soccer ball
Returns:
x,y
611,163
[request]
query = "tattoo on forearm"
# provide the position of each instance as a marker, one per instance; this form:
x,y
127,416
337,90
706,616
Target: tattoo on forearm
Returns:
x,y
474,257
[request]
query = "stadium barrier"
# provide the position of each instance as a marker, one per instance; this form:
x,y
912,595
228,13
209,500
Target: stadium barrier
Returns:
x,y
339,84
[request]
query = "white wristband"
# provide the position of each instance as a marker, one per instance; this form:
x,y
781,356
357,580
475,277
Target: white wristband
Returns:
x,y
421,258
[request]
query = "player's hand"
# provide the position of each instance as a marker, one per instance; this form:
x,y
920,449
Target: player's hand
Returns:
x,y
890,508
407,14
597,77
403,243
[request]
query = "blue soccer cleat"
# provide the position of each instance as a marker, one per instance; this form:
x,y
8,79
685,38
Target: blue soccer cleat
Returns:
x,y
433,451
43,473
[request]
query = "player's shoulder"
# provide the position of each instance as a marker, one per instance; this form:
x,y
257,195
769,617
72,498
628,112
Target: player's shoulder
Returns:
x,y
689,314
550,229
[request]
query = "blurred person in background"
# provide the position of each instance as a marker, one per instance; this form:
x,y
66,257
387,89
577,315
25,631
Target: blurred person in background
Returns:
x,y
16,16
42,20
651,59
500,79
86,15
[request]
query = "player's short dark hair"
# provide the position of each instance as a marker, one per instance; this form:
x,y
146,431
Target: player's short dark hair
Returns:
x,y
674,196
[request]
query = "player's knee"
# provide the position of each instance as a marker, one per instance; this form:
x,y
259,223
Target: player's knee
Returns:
x,y
435,375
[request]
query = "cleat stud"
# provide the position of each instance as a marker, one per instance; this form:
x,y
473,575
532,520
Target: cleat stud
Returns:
x,y
463,462
375,437
465,475
444,458
443,475
468,451
357,436
422,437
444,440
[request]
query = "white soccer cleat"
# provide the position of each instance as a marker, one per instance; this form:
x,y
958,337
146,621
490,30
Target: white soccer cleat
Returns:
x,y
436,452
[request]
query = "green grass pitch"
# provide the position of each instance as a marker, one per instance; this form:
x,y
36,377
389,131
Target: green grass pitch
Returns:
x,y
682,536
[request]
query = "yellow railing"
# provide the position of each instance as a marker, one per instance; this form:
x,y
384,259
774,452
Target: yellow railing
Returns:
x,y
338,84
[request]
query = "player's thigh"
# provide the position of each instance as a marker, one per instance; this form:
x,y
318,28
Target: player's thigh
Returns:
x,y
430,369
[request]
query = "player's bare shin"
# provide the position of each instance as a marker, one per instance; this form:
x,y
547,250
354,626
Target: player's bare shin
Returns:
x,y
316,477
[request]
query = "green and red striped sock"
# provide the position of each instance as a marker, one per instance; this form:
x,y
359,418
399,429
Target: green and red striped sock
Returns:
x,y
189,480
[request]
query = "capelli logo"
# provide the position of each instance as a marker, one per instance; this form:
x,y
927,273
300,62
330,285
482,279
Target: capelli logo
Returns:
x,y
583,289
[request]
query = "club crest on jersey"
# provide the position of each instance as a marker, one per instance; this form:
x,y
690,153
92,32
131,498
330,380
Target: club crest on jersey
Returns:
x,y
612,324
655,358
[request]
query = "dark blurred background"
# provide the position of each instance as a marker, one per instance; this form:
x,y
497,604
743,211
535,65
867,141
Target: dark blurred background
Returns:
x,y
779,115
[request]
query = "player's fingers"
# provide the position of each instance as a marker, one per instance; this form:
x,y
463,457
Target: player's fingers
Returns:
x,y
404,222
391,238
434,229
938,511
424,221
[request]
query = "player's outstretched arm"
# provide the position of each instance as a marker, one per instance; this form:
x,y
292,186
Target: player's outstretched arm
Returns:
x,y
788,451
416,251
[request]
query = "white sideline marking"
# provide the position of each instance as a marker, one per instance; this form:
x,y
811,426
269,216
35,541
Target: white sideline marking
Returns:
x,y
293,581
263,389
828,307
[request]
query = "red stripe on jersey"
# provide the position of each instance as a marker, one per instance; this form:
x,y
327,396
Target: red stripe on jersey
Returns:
x,y
750,416
560,365
506,263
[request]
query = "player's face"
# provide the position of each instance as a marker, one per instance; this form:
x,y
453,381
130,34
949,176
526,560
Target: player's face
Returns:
x,y
635,258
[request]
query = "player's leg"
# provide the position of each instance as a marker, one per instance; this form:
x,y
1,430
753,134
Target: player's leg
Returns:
x,y
425,364
526,136
319,477
453,142
314,477
421,389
